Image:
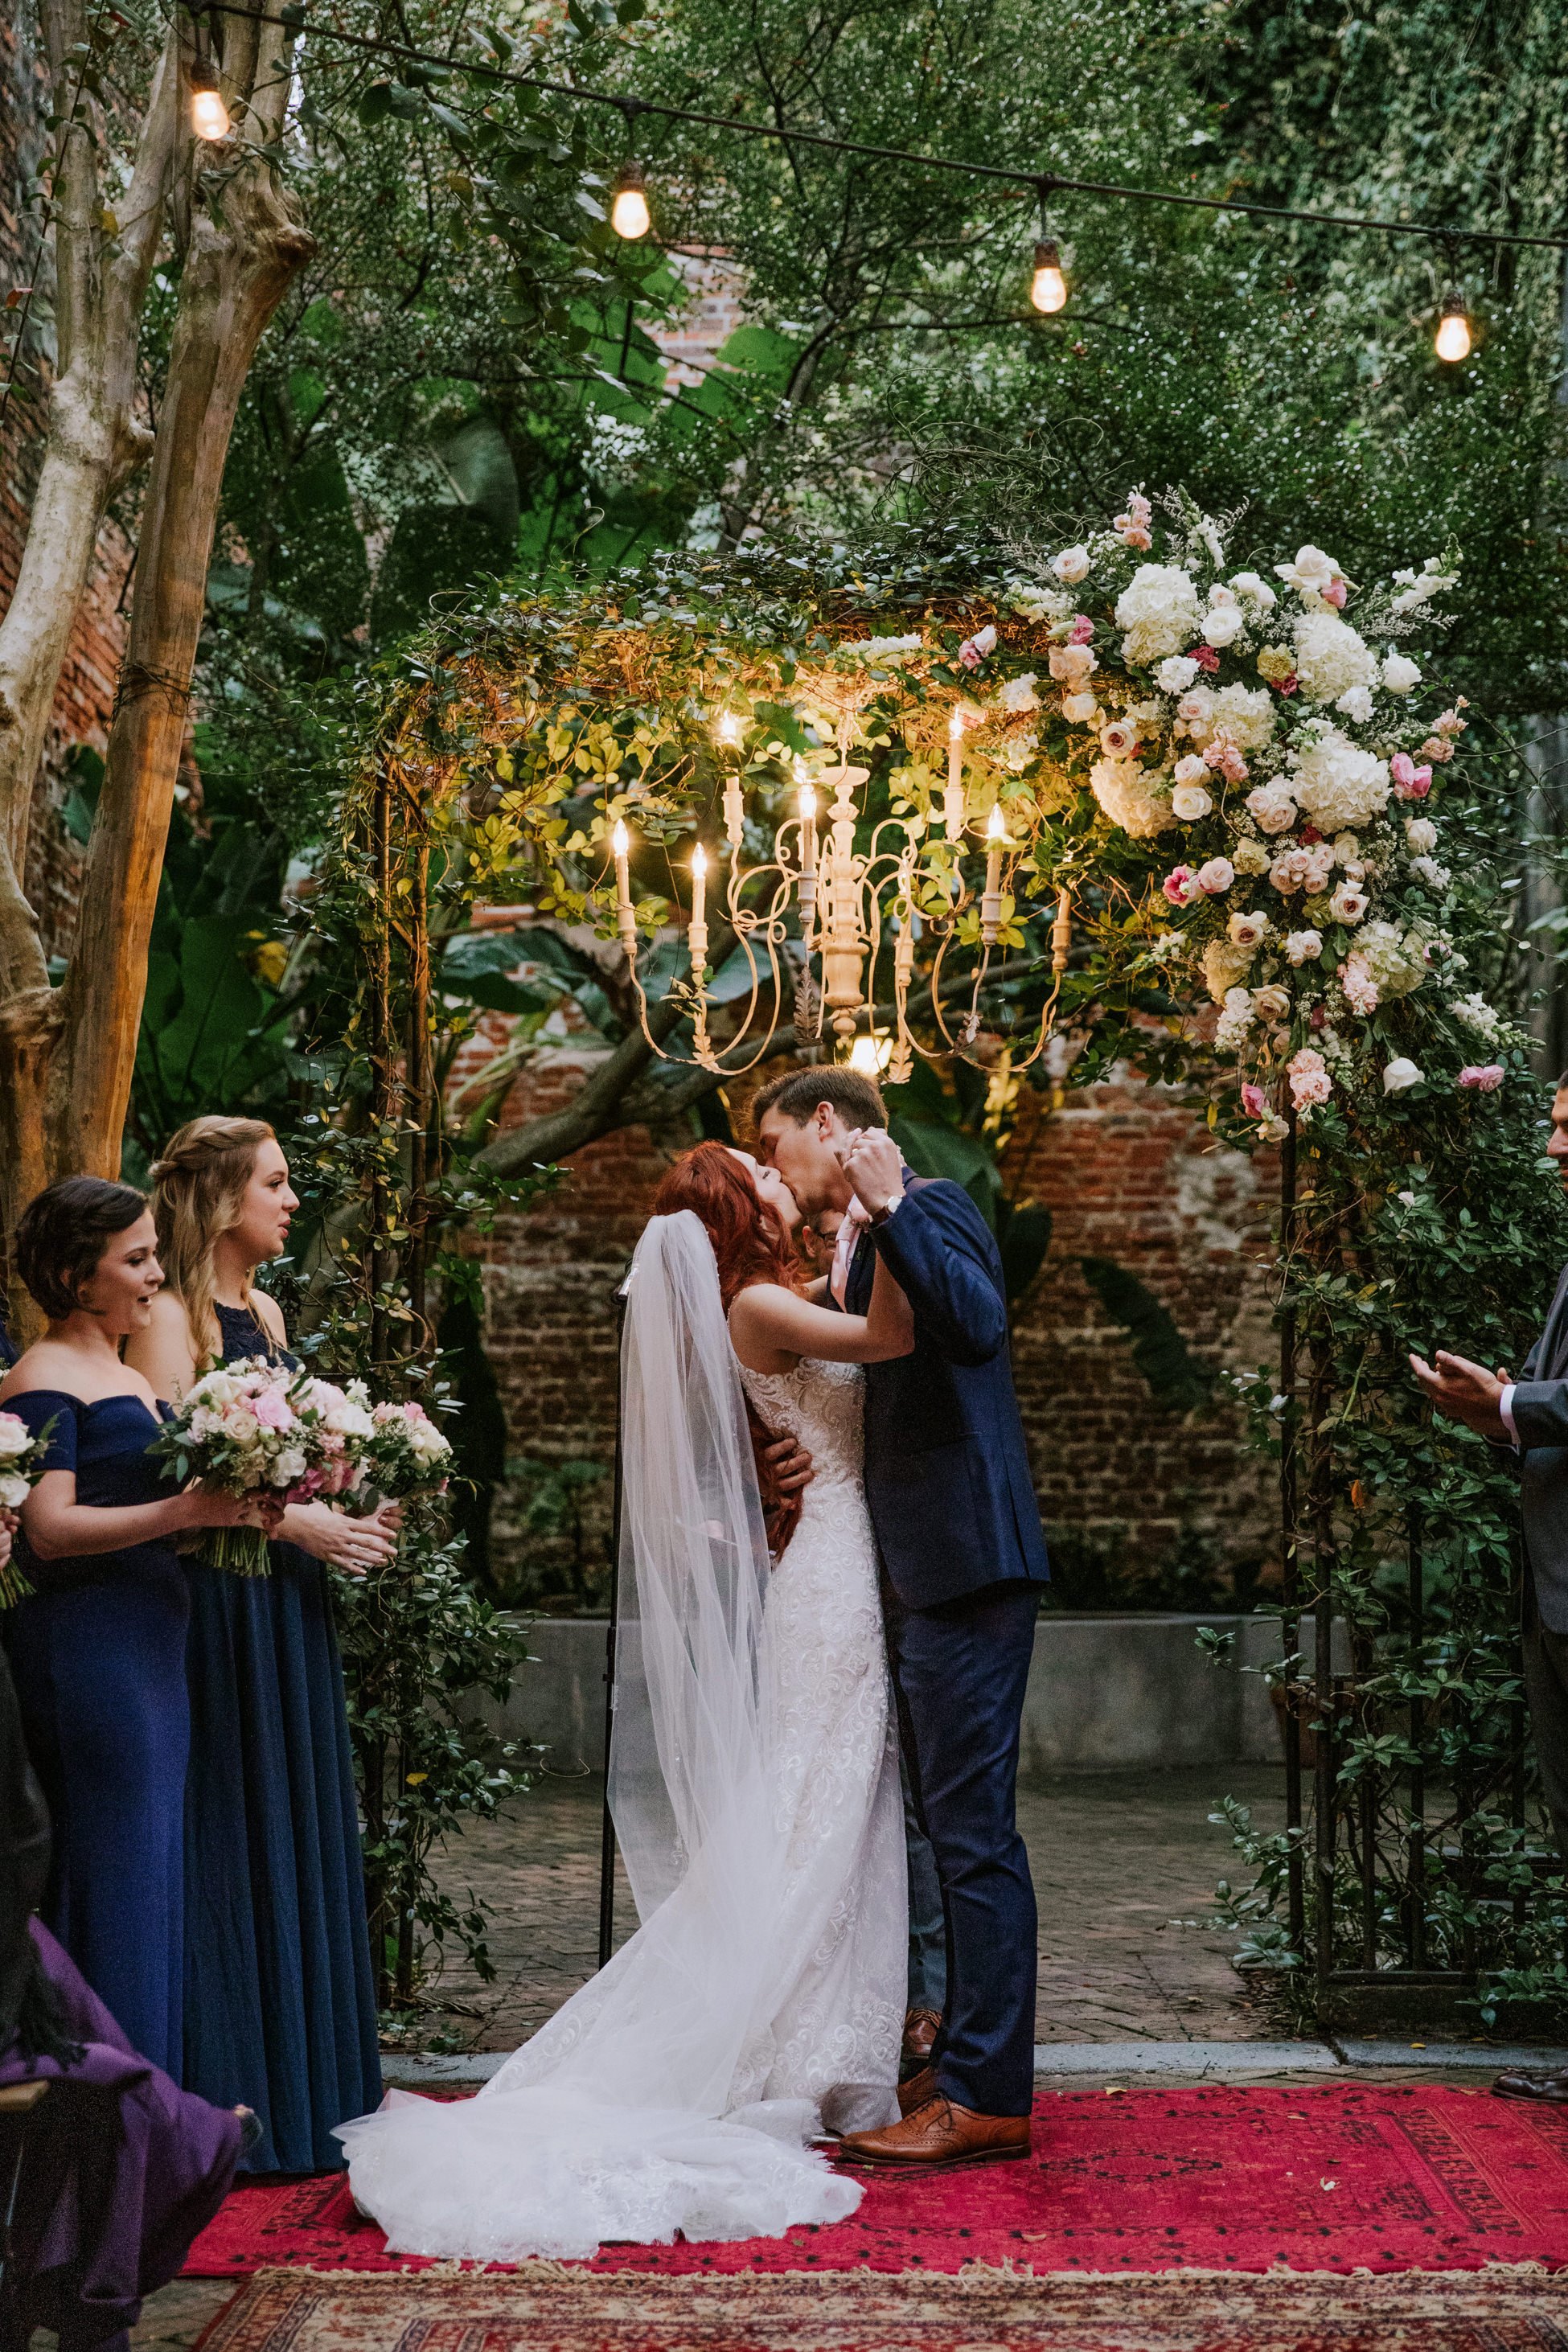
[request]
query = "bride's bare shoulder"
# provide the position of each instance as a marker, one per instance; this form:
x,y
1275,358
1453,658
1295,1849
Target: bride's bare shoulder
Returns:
x,y
760,1329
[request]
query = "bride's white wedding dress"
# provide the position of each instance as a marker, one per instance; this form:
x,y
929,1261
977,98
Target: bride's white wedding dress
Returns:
x,y
755,1782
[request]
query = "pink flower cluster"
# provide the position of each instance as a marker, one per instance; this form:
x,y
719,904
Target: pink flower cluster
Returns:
x,y
1410,783
974,650
1309,1076
1134,528
1484,1078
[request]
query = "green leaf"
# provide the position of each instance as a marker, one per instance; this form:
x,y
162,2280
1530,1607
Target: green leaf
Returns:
x,y
1176,1382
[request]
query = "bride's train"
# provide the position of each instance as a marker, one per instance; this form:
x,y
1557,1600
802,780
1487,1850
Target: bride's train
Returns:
x,y
755,1783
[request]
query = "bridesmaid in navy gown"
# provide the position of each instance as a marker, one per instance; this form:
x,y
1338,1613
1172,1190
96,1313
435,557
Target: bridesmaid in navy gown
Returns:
x,y
280,1995
98,1649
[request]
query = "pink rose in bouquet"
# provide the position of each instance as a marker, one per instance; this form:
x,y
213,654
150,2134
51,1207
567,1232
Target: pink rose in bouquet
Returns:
x,y
265,1433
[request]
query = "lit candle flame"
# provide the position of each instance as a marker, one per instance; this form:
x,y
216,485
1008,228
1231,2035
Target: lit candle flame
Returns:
x,y
728,727
807,805
620,840
699,861
955,727
996,823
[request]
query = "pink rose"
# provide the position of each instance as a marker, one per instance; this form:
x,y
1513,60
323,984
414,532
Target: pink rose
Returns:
x,y
1335,594
1254,1101
1438,747
1308,1077
1484,1076
1081,631
974,650
271,1409
1215,878
1204,656
1225,753
1410,783
1285,685
1182,886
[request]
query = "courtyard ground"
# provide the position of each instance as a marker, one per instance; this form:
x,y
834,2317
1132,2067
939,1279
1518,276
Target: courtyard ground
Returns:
x,y
1120,1861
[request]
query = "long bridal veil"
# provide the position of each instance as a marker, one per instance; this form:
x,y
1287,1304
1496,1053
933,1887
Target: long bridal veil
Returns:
x,y
626,2116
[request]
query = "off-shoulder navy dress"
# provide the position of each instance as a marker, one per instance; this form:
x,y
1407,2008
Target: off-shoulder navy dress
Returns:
x,y
98,1655
279,1998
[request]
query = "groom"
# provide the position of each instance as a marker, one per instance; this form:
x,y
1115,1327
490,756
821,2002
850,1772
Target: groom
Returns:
x,y
951,1502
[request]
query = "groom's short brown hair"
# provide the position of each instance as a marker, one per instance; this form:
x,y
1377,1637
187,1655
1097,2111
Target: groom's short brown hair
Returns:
x,y
856,1099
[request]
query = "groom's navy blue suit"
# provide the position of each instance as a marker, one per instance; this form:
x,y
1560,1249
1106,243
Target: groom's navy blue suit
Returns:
x,y
947,1479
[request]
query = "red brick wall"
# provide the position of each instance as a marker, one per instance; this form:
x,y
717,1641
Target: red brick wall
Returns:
x,y
1128,1173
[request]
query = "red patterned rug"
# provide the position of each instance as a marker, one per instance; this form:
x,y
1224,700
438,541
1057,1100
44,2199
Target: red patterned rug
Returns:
x,y
1338,2177
543,2307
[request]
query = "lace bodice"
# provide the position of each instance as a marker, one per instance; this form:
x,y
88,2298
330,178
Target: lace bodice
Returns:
x,y
823,1406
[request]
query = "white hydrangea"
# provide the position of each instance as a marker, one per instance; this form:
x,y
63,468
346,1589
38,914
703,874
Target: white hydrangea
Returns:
x,y
1332,658
1356,704
1018,694
1121,788
1394,959
1436,877
1341,787
1018,750
1160,611
1247,715
1478,1015
1175,673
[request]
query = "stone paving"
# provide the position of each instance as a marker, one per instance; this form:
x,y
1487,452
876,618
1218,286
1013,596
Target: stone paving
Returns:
x,y
1119,1859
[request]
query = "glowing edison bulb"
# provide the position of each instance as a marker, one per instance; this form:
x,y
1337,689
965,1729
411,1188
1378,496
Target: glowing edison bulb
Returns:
x,y
1453,338
620,841
629,213
1048,291
209,115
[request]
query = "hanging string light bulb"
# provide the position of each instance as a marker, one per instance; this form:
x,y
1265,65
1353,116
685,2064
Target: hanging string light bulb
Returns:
x,y
630,214
1048,288
209,115
1453,339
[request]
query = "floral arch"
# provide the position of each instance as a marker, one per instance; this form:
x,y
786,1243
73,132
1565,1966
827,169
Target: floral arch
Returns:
x,y
1157,794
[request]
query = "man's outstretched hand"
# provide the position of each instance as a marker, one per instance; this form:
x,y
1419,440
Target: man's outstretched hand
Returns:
x,y
872,1162
1464,1392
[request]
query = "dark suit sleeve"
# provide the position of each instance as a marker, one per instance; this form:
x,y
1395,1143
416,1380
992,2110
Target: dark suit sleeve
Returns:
x,y
939,1250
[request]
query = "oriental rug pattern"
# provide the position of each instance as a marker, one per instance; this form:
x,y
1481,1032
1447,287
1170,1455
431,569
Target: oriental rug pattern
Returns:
x,y
1334,2177
546,2307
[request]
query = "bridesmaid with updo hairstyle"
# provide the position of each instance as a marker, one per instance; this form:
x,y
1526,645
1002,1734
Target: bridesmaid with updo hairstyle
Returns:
x,y
97,1650
280,1995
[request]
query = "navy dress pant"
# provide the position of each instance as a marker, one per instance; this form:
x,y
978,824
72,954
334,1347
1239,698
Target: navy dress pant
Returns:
x,y
960,1671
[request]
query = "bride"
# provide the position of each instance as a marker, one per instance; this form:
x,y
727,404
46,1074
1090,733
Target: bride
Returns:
x,y
755,1780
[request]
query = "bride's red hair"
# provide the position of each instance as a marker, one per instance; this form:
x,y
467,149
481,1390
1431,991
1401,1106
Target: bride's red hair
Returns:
x,y
750,1239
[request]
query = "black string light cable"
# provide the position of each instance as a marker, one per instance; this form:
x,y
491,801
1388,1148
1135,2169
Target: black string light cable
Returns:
x,y
1044,184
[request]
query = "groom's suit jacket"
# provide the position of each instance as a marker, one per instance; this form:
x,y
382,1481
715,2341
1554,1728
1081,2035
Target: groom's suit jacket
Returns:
x,y
947,1472
1540,1407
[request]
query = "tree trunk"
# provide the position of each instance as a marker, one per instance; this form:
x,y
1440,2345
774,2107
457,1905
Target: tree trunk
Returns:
x,y
244,251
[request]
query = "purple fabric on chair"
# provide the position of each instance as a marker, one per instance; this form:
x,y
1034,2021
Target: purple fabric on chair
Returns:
x,y
119,2172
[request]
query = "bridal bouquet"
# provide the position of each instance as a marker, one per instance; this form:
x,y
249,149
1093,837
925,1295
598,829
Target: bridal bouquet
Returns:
x,y
22,1455
257,1429
404,1454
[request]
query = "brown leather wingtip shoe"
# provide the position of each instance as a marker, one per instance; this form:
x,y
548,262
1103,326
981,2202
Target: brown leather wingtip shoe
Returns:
x,y
916,2093
938,2137
922,2027
1551,2089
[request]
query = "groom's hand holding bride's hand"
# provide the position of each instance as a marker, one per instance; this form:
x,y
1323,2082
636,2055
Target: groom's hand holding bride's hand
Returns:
x,y
874,1165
